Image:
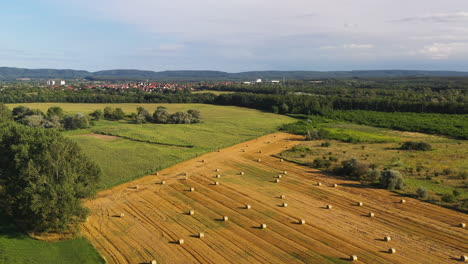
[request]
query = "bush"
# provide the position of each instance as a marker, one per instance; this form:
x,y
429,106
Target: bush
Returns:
x,y
325,144
354,169
372,176
421,192
412,145
391,180
448,198
321,163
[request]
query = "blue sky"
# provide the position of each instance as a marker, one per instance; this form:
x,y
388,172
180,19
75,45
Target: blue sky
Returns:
x,y
234,36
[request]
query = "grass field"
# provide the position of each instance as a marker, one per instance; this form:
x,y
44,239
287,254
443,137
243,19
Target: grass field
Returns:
x,y
156,216
437,170
122,160
16,247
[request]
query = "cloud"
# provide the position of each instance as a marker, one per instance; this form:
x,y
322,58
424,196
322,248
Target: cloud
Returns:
x,y
437,18
445,50
348,46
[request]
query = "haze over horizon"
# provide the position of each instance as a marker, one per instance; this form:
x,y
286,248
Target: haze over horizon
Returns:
x,y
235,36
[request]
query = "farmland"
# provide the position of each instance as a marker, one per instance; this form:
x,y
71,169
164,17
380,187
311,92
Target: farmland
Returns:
x,y
155,216
124,159
440,171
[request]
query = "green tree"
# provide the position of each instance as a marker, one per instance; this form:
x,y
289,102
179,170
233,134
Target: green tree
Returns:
x,y
118,114
97,114
43,177
55,111
421,192
5,113
391,180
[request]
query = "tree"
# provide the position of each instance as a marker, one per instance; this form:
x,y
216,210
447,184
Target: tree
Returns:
x,y
421,192
118,114
43,177
354,169
161,116
411,145
195,115
77,121
391,180
33,121
55,111
97,114
5,113
143,115
108,112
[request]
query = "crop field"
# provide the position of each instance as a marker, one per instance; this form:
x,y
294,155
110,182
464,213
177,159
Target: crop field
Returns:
x,y
440,170
146,219
128,156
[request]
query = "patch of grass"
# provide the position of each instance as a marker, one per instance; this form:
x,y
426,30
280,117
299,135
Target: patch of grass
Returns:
x,y
17,247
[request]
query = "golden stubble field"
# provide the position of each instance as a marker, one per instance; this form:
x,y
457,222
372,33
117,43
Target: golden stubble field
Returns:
x,y
157,215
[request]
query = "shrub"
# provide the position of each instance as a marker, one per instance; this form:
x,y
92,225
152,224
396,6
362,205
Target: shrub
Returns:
x,y
354,169
412,145
448,198
372,176
321,163
325,144
456,193
421,192
391,180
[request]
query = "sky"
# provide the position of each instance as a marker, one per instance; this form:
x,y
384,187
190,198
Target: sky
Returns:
x,y
235,35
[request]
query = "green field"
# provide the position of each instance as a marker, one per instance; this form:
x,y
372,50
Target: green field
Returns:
x,y
127,158
17,247
439,170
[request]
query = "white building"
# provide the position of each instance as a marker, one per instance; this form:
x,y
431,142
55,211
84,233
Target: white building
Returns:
x,y
62,82
275,81
50,82
258,81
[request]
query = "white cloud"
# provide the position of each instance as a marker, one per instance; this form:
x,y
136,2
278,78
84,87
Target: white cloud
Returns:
x,y
348,46
445,50
437,18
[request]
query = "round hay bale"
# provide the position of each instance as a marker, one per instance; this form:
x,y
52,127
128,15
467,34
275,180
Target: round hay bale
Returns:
x,y
285,172
371,214
353,258
216,183
121,215
181,241
263,226
259,160
192,189
225,218
387,238
186,173
464,258
153,262
156,173
279,176
462,225
201,235
335,185
259,151
191,212
163,182
359,204
137,187
391,251
241,173
277,180
185,178
319,184
302,222
217,170
248,206
284,205
218,176
282,196
329,206
402,201
243,150
203,161
281,160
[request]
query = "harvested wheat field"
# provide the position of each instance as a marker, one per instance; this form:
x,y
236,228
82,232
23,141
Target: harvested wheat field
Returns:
x,y
244,220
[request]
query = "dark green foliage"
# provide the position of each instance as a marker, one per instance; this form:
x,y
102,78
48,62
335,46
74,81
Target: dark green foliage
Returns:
x,y
392,180
321,163
5,113
448,198
142,116
411,145
162,116
118,114
325,144
354,169
77,121
421,192
55,111
97,114
43,176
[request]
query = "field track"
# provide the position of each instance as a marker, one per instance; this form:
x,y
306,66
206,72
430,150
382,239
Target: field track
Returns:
x,y
156,215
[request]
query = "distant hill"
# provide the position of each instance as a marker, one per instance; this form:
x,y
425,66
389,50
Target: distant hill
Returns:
x,y
8,73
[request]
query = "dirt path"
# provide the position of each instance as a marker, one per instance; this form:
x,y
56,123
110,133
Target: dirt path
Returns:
x,y
156,215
